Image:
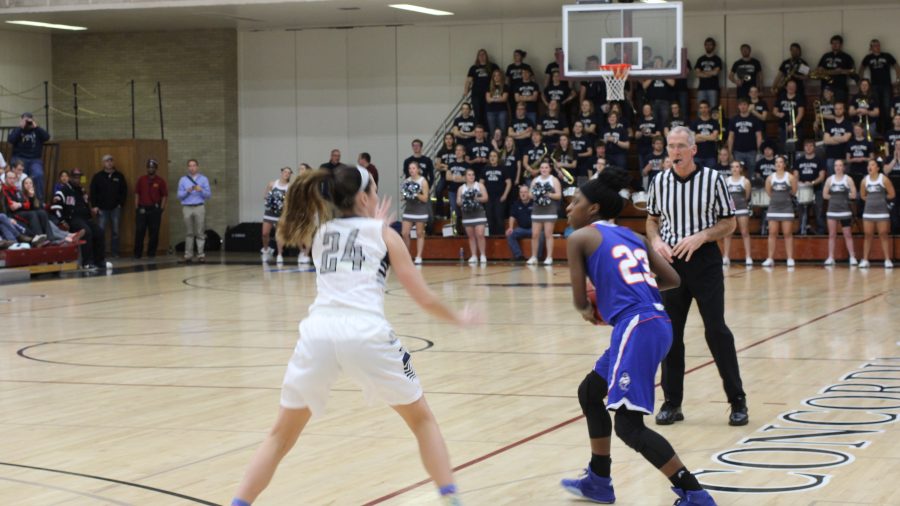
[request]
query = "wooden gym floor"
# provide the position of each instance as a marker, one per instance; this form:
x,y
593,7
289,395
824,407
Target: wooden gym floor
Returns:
x,y
155,387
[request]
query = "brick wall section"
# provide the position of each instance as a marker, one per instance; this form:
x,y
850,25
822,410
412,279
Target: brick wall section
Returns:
x,y
198,75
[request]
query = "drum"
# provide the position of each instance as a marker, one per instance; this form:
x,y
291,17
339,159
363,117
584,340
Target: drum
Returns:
x,y
759,198
806,195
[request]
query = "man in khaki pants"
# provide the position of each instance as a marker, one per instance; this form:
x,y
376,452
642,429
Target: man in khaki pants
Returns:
x,y
193,192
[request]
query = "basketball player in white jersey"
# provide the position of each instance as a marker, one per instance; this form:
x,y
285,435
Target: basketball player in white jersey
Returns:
x,y
346,329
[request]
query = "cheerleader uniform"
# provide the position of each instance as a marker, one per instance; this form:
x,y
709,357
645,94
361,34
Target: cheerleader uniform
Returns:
x,y
545,209
781,206
472,211
275,202
839,203
876,208
738,196
414,210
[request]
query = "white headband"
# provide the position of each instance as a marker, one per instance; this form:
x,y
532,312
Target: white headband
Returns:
x,y
364,178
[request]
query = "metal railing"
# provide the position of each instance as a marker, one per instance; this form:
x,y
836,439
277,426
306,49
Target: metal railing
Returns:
x,y
434,144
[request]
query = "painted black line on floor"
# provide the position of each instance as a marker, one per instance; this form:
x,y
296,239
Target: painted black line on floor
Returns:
x,y
112,480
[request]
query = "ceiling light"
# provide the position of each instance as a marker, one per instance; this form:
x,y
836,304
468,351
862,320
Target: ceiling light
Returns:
x,y
421,10
654,1
47,25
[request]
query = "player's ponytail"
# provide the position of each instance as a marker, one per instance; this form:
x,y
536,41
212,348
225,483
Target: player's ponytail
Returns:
x,y
604,191
314,198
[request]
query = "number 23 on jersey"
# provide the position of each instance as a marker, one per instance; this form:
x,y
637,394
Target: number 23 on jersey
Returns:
x,y
629,260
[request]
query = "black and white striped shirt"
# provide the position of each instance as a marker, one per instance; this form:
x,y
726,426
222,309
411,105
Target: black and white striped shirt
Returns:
x,y
687,206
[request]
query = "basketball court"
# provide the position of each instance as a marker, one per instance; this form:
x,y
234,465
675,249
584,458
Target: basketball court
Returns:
x,y
155,387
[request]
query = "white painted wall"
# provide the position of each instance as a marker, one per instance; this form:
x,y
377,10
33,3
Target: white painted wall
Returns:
x,y
374,89
24,65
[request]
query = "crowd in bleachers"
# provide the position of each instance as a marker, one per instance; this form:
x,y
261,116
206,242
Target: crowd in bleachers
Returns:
x,y
518,127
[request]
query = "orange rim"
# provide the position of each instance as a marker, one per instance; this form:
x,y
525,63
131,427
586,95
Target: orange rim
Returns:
x,y
619,70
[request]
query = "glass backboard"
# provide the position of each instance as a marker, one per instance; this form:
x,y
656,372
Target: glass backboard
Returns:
x,y
648,36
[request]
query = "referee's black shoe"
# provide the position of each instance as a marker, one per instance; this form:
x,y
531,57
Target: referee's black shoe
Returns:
x,y
669,414
738,414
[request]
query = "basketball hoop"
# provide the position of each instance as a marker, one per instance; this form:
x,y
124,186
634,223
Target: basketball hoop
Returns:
x,y
615,82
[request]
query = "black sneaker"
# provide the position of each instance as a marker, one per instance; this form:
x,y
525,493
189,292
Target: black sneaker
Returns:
x,y
669,414
738,414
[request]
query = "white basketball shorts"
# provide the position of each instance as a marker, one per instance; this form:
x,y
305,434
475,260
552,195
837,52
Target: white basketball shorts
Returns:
x,y
359,344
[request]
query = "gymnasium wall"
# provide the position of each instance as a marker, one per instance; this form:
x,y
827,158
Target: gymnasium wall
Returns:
x,y
198,75
302,93
24,67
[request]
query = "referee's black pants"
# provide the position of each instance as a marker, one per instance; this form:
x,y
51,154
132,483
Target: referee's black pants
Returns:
x,y
701,279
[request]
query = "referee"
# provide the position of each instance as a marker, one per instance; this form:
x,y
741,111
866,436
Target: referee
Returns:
x,y
689,210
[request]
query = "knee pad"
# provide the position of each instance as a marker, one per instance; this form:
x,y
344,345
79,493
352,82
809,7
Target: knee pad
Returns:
x,y
629,425
591,393
631,429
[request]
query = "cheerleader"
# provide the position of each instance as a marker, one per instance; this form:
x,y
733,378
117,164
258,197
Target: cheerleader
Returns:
x,y
416,209
628,275
346,329
839,190
547,192
274,199
876,190
470,197
739,188
781,187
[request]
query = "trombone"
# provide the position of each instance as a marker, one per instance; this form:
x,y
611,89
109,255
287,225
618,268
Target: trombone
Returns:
x,y
721,126
864,104
793,117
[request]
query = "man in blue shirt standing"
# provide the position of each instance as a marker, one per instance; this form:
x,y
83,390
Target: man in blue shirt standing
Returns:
x,y
27,143
193,192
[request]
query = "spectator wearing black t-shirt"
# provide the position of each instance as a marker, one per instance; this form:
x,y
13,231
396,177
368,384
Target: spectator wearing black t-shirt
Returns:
x,y
810,171
758,106
789,110
676,118
588,118
477,81
442,162
496,99
838,132
553,125
560,91
553,65
745,135
464,124
893,134
653,162
745,72
534,153
520,128
426,166
879,65
646,129
595,91
765,167
660,93
859,151
583,146
792,69
456,176
497,182
864,107
529,93
615,136
477,151
838,65
706,131
723,163
707,70
515,69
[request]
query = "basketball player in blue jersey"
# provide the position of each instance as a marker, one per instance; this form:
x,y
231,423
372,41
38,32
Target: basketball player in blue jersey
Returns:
x,y
628,275
346,329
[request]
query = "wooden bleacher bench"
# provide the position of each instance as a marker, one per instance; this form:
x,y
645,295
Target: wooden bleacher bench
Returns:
x,y
41,260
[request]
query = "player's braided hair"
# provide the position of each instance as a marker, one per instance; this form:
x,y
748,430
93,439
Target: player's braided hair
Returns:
x,y
314,198
604,191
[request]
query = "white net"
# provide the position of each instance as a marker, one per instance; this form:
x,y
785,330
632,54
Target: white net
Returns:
x,y
615,82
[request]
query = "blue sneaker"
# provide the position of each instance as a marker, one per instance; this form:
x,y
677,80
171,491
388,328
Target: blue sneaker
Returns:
x,y
592,487
693,498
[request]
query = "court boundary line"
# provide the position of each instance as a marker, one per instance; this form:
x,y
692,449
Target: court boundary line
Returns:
x,y
520,442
